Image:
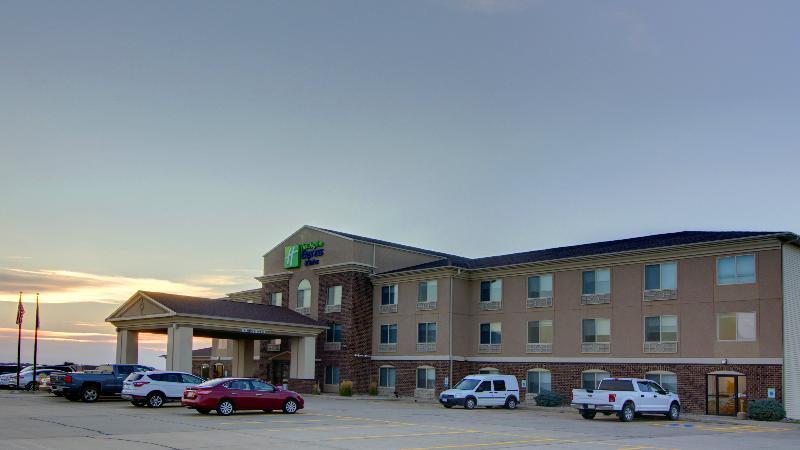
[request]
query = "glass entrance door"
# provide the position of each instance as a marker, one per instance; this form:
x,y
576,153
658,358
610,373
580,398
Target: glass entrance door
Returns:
x,y
723,394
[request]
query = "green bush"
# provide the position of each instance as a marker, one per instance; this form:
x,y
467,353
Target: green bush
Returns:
x,y
346,388
766,409
373,388
548,398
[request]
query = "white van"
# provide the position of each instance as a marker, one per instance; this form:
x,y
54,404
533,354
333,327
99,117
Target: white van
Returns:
x,y
483,390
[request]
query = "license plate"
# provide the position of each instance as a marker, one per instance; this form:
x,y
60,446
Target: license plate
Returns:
x,y
591,406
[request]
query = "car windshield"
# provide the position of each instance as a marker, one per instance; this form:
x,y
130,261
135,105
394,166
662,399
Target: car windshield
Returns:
x,y
467,384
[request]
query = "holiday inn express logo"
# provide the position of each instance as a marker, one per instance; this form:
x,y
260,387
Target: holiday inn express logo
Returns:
x,y
306,252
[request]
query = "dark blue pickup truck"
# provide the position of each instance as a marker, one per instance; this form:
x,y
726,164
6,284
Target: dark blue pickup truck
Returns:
x,y
90,385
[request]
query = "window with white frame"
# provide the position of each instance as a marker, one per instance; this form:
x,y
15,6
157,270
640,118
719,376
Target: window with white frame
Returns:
x,y
389,333
387,377
389,295
304,294
334,295
426,378
737,326
334,333
596,282
739,269
276,298
538,381
590,379
540,286
661,276
661,329
426,333
331,375
492,291
596,330
428,291
667,380
491,333
540,332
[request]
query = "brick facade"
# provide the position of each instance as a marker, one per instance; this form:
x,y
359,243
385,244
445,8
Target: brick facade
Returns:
x,y
276,286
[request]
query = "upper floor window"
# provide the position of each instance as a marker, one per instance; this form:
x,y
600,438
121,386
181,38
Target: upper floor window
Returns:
x,y
491,333
540,286
428,291
389,295
596,282
304,294
389,334
661,276
540,332
661,329
276,298
334,333
334,295
491,291
426,333
739,269
596,330
738,326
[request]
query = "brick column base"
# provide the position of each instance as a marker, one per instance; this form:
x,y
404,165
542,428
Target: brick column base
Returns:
x,y
301,385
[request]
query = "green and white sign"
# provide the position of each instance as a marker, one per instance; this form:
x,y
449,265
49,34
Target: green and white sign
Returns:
x,y
291,256
307,253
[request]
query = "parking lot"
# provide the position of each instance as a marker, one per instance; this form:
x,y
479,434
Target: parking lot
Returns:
x,y
41,421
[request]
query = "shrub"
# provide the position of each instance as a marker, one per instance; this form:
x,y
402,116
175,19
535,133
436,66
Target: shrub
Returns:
x,y
315,389
766,409
548,398
346,388
373,388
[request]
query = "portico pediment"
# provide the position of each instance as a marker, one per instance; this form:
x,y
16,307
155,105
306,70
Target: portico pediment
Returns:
x,y
140,305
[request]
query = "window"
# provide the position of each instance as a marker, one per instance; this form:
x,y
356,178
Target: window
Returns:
x,y
276,298
334,295
304,294
667,380
238,385
540,286
499,385
389,295
259,385
597,282
191,379
740,326
592,378
387,377
661,276
222,344
738,269
331,375
596,330
426,378
609,384
428,291
661,329
485,386
334,333
389,334
538,381
426,333
256,349
491,291
540,332
491,333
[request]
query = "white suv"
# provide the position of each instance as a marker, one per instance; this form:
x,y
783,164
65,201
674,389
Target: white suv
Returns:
x,y
154,388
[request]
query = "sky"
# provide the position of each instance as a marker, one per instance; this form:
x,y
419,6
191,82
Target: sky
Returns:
x,y
168,145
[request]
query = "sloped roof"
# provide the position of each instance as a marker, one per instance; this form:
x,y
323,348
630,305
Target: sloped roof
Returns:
x,y
201,352
201,306
356,237
592,249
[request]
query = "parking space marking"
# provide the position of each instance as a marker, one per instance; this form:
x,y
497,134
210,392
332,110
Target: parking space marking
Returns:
x,y
387,436
484,444
722,428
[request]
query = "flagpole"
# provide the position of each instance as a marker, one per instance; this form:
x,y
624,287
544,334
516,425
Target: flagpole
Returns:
x,y
19,337
36,343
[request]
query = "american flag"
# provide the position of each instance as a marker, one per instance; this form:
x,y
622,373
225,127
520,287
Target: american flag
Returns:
x,y
20,312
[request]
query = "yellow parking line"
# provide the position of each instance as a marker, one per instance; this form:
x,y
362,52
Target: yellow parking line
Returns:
x,y
383,436
483,444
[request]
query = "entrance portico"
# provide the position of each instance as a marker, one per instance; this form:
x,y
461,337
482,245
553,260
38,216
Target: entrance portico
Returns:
x,y
183,317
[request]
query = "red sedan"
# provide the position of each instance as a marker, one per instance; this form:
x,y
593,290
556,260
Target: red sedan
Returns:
x,y
227,395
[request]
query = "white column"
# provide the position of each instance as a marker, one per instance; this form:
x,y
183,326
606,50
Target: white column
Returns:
x,y
243,364
303,357
127,347
179,348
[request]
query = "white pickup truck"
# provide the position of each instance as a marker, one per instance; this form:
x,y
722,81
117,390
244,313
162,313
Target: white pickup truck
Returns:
x,y
627,397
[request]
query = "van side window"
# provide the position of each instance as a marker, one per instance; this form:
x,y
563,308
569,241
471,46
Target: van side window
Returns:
x,y
484,386
499,385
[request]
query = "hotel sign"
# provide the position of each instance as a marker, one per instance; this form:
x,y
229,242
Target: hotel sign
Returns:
x,y
305,254
253,331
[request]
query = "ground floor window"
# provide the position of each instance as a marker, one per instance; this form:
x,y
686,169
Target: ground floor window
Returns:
x,y
667,380
426,378
331,375
387,377
538,381
592,378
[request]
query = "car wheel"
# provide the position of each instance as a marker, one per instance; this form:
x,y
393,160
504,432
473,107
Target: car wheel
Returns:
x,y
511,403
674,411
588,415
89,394
155,400
290,406
628,413
470,403
203,410
225,408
